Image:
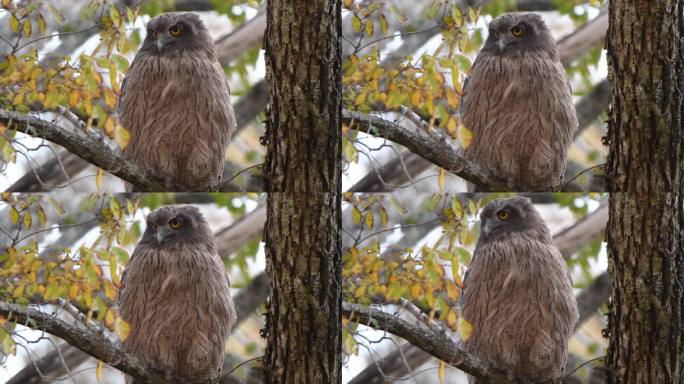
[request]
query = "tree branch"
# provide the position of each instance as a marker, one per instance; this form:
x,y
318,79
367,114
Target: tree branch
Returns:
x,y
432,146
89,342
87,148
441,347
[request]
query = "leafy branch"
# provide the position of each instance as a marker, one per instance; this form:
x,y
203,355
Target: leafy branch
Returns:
x,y
86,340
439,346
432,146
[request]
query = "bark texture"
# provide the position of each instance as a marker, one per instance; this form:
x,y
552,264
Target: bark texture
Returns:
x,y
303,173
303,68
303,262
646,312
646,68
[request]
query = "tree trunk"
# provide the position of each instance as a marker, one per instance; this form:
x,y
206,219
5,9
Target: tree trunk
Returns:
x,y
303,68
646,70
303,174
646,313
646,158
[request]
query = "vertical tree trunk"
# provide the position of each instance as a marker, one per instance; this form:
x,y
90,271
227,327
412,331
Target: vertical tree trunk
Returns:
x,y
646,313
303,69
303,174
646,158
646,70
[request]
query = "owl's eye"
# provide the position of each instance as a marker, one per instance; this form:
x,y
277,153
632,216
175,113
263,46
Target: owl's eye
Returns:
x,y
503,215
517,31
175,31
497,34
174,223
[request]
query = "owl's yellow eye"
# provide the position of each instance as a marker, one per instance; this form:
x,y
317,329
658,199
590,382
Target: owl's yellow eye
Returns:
x,y
503,215
175,30
174,223
517,31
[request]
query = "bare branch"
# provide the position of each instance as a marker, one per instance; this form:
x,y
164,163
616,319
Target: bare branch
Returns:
x,y
588,35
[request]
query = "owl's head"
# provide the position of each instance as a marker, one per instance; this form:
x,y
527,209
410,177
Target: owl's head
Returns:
x,y
517,33
511,216
174,224
177,33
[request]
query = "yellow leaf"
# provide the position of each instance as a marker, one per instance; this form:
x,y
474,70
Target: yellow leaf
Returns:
x,y
383,24
27,220
440,371
451,320
114,14
41,216
5,3
369,28
452,99
347,4
452,292
415,291
14,215
41,24
440,179
369,220
27,28
452,127
121,136
73,292
109,318
113,80
465,329
98,371
98,179
356,23
465,137
14,23
415,99
113,271
383,216
109,98
109,291
356,215
73,98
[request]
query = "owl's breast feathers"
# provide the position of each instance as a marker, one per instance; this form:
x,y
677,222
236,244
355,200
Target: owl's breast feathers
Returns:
x,y
178,113
179,309
520,110
519,300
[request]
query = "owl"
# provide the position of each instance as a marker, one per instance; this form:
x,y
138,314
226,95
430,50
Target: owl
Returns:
x,y
518,295
517,103
176,299
176,106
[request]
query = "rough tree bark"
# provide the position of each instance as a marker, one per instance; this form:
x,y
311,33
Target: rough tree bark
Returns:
x,y
303,173
646,262
646,68
646,158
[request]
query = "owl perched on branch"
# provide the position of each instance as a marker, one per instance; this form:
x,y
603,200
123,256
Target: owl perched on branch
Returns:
x,y
175,103
518,104
518,295
176,299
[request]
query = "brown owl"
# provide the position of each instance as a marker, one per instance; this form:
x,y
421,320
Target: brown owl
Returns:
x,y
175,297
518,104
518,294
175,103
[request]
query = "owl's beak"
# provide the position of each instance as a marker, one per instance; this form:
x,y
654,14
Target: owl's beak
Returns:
x,y
503,42
486,227
161,42
161,235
